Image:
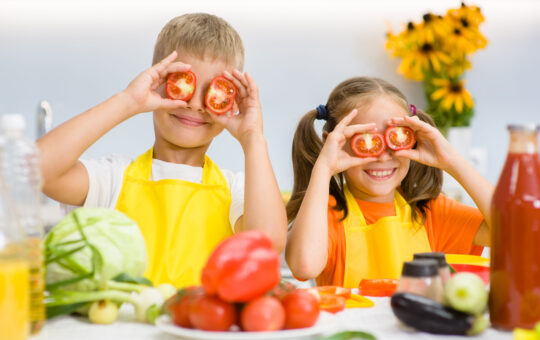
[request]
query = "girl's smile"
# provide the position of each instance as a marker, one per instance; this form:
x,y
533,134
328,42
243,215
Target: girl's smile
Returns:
x,y
380,174
189,120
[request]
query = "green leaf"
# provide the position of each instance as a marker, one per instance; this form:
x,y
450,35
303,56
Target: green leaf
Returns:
x,y
349,335
53,311
123,277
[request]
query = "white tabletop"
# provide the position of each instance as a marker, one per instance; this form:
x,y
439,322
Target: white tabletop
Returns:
x,y
378,320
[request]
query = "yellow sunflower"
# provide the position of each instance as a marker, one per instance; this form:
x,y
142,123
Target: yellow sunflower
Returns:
x,y
466,20
452,93
400,44
460,41
472,14
432,28
424,57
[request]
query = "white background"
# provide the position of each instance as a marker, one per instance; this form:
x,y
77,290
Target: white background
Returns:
x,y
76,54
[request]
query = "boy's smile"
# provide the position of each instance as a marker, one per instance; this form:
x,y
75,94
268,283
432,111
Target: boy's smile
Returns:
x,y
190,127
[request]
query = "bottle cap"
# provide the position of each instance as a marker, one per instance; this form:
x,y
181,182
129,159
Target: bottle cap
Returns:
x,y
437,256
527,127
12,121
420,268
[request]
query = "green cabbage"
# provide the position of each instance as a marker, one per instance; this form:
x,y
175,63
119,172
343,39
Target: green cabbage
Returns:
x,y
92,246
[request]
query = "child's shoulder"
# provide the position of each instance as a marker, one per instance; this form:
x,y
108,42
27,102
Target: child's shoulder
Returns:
x,y
116,161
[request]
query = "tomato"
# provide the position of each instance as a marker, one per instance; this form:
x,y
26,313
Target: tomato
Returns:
x,y
301,309
181,85
265,313
210,313
282,289
368,144
399,137
220,95
178,305
377,287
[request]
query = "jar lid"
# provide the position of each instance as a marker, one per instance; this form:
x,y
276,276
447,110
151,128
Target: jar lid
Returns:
x,y
527,127
437,256
420,268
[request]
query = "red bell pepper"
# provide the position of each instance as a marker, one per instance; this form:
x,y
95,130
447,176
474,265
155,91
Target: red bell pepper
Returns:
x,y
242,267
377,287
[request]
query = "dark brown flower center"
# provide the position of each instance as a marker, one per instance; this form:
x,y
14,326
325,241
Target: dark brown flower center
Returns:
x,y
427,47
456,87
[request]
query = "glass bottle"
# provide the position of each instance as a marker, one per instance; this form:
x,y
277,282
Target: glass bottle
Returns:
x,y
14,274
515,237
22,174
440,257
421,277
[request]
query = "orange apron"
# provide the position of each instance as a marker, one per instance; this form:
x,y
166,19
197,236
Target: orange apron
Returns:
x,y
181,222
378,250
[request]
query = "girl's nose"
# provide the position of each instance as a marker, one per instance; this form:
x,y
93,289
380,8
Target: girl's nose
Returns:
x,y
386,155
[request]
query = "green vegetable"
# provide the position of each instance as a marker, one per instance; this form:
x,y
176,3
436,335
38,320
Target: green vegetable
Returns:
x,y
103,312
350,335
97,254
466,292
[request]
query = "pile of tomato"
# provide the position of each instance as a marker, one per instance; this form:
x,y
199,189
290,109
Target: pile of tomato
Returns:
x,y
241,286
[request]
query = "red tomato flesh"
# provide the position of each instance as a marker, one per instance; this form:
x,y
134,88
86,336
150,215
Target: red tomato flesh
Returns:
x,y
181,85
399,137
265,313
368,144
220,95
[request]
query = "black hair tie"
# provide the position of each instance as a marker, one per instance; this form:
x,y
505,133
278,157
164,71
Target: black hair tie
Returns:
x,y
322,112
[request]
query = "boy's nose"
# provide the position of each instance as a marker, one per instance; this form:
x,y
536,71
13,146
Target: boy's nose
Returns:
x,y
196,102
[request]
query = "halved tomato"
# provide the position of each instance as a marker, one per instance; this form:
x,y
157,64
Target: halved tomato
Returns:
x,y
399,137
220,95
181,85
332,303
368,144
333,290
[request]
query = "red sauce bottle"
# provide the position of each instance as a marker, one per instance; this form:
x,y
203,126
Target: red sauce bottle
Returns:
x,y
515,237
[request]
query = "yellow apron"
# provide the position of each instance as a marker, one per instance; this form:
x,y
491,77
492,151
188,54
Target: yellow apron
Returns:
x,y
377,251
181,222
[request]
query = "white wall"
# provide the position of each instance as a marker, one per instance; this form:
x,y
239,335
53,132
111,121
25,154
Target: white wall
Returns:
x,y
77,53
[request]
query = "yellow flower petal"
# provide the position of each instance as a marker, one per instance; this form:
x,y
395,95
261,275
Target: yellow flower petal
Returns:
x,y
458,103
439,93
468,98
447,102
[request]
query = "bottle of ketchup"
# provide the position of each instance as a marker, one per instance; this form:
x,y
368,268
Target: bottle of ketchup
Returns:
x,y
515,249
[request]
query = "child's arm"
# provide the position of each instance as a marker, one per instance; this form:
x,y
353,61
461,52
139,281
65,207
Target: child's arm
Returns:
x,y
307,247
263,206
434,150
65,178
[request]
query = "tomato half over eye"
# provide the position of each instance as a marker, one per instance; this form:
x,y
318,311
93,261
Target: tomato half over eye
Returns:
x,y
399,137
220,95
181,85
368,144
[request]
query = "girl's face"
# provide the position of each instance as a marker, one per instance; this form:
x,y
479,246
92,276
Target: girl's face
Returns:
x,y
377,181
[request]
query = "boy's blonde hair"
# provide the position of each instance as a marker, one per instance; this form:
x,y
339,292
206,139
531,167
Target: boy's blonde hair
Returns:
x,y
200,35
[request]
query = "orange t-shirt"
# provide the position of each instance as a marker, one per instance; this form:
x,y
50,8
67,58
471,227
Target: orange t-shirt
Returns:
x,y
450,227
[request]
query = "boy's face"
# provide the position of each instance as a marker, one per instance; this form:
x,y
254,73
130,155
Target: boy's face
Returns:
x,y
191,126
376,181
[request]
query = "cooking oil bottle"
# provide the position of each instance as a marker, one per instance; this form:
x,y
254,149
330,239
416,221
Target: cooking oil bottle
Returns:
x,y
22,177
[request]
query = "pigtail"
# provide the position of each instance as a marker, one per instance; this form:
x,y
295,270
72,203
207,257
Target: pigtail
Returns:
x,y
423,183
305,149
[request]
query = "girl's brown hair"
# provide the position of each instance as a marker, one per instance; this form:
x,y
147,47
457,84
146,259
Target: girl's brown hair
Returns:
x,y
421,184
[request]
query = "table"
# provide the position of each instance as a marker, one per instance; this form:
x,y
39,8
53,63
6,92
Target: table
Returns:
x,y
378,320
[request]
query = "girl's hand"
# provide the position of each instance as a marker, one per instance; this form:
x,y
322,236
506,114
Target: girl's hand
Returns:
x,y
333,156
143,90
248,121
432,148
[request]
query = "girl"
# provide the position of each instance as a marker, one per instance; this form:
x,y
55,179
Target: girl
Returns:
x,y
381,210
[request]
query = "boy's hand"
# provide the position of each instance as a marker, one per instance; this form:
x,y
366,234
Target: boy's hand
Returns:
x,y
143,93
333,157
248,121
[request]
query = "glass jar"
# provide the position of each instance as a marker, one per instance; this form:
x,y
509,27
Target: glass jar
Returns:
x,y
444,269
421,277
515,236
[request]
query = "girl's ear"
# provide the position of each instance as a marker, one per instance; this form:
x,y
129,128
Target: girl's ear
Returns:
x,y
324,135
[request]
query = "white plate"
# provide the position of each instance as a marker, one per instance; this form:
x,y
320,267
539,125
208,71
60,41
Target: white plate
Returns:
x,y
325,323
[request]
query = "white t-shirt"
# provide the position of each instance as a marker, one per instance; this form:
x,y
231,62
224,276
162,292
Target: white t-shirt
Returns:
x,y
106,177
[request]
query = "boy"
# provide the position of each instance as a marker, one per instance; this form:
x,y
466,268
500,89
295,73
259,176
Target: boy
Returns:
x,y
183,203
